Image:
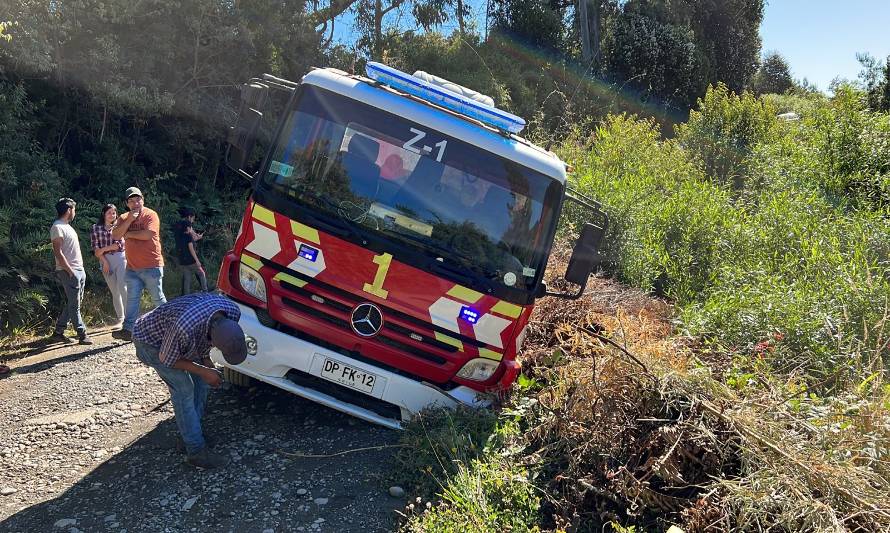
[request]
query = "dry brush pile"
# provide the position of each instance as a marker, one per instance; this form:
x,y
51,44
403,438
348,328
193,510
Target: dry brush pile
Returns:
x,y
629,425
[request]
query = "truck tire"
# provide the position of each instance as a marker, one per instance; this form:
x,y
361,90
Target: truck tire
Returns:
x,y
236,378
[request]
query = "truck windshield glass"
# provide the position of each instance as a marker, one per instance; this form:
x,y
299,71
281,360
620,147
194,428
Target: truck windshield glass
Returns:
x,y
443,197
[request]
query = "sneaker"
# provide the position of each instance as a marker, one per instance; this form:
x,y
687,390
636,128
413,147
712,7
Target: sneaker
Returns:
x,y
207,459
59,337
122,334
86,341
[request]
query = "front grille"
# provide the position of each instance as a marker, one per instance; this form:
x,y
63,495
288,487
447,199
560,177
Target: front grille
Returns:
x,y
381,338
312,311
410,349
345,394
354,300
393,335
309,294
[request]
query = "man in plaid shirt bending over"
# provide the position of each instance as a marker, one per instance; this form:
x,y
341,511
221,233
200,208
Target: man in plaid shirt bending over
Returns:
x,y
175,339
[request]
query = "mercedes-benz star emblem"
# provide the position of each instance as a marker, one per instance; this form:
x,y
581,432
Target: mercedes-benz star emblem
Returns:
x,y
366,320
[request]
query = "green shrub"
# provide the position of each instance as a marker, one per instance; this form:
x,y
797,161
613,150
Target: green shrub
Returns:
x,y
723,132
852,145
437,441
483,496
804,104
668,222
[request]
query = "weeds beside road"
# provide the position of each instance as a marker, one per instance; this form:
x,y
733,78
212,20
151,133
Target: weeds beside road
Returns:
x,y
618,424
89,442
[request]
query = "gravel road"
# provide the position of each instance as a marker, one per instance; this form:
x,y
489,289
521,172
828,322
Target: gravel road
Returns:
x,y
88,443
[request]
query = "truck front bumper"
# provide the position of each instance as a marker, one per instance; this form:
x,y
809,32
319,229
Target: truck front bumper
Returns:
x,y
278,355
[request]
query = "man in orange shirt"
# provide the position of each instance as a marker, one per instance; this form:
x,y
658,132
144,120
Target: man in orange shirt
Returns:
x,y
141,227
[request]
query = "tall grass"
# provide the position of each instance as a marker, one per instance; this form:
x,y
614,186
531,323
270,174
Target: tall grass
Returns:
x,y
787,250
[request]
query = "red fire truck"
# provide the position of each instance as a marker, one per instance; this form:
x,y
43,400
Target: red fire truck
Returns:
x,y
394,242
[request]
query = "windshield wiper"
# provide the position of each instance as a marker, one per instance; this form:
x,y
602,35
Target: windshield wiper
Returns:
x,y
450,254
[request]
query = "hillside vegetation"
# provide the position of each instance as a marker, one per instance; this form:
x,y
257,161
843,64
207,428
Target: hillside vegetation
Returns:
x,y
757,398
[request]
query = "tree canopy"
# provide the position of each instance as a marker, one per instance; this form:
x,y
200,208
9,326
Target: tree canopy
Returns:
x,y
773,76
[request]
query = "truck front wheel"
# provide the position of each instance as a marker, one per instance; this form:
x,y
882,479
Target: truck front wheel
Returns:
x,y
236,378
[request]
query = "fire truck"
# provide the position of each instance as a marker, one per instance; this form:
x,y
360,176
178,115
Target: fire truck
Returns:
x,y
394,243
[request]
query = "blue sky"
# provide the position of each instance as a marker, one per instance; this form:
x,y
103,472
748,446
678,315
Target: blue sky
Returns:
x,y
820,38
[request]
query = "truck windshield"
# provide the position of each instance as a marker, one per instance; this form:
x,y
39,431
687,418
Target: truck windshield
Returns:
x,y
445,198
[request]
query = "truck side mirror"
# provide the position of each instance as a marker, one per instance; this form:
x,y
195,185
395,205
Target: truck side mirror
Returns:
x,y
584,255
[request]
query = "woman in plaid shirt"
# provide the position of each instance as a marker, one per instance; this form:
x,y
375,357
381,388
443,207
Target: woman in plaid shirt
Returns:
x,y
110,252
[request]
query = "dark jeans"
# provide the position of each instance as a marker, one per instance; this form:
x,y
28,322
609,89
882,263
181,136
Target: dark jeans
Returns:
x,y
190,271
188,394
73,286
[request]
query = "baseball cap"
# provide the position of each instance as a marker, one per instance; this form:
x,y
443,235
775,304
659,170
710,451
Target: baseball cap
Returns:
x,y
132,191
228,336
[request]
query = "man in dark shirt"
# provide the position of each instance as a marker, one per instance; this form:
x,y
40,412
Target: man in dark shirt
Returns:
x,y
175,339
189,264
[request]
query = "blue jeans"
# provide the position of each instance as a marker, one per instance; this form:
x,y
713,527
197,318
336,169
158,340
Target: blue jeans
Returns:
x,y
73,286
188,394
144,278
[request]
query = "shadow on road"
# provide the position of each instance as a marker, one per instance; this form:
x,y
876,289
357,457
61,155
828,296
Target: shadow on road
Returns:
x,y
51,362
146,486
45,346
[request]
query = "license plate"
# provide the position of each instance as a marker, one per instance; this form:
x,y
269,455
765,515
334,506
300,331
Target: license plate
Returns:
x,y
353,378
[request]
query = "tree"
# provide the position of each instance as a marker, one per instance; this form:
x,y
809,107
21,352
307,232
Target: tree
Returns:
x,y
655,57
672,50
727,39
369,15
875,79
773,76
157,69
28,190
538,24
431,14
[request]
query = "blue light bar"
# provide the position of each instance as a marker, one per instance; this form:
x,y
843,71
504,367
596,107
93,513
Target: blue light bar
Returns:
x,y
307,252
443,97
469,314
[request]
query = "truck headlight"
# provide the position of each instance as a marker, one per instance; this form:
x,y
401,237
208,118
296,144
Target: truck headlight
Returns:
x,y
252,282
478,369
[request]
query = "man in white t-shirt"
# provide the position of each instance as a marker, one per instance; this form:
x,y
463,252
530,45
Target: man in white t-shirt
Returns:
x,y
69,271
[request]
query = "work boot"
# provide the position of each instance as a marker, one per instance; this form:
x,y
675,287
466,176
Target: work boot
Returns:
x,y
83,339
122,334
59,336
208,443
207,459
